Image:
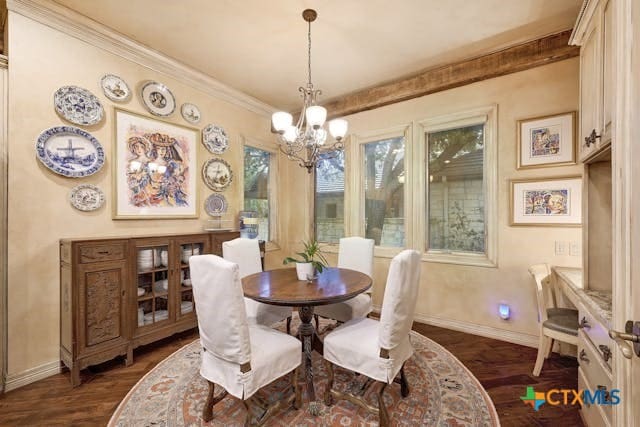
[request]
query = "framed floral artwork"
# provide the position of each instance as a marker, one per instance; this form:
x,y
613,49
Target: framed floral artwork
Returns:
x,y
547,141
547,202
154,169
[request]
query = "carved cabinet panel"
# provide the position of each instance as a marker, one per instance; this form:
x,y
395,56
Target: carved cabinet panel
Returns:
x,y
103,305
101,316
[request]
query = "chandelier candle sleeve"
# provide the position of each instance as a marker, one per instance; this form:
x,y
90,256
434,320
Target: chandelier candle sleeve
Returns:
x,y
305,141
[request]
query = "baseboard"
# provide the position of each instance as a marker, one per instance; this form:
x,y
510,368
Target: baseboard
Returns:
x,y
32,375
475,329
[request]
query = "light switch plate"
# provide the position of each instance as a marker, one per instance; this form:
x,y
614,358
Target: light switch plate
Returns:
x,y
561,247
574,249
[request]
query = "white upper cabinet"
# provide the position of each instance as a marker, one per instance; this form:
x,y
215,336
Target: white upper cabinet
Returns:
x,y
593,33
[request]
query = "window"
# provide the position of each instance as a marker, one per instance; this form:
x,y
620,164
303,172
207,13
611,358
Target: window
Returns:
x,y
460,187
455,187
329,199
384,191
257,187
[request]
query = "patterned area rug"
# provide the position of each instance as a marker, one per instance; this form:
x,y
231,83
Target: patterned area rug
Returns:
x,y
443,393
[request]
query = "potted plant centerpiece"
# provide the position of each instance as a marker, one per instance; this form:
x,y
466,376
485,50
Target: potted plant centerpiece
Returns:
x,y
311,260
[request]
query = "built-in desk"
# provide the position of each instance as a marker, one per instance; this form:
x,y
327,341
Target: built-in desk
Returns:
x,y
594,344
571,286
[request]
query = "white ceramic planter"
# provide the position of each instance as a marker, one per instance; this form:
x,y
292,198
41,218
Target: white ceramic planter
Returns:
x,y
305,270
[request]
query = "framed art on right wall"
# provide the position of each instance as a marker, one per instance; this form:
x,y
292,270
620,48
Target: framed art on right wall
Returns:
x,y
547,141
546,202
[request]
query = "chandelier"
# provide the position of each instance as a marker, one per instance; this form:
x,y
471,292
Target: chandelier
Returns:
x,y
305,141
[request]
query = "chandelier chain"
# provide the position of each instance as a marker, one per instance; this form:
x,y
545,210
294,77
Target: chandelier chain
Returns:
x,y
309,52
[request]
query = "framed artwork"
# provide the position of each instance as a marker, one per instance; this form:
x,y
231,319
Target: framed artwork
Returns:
x,y
154,169
542,202
547,141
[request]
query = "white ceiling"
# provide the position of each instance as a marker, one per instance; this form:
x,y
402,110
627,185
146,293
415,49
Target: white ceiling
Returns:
x,y
260,47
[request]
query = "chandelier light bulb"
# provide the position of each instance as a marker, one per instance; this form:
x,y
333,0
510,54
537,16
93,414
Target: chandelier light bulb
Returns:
x,y
338,128
316,116
281,121
290,133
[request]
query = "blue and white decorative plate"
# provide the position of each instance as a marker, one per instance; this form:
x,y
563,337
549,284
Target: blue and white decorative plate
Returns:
x,y
70,151
158,99
78,105
115,88
86,197
215,205
215,139
190,112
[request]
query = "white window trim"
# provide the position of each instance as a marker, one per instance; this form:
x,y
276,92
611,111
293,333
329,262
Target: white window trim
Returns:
x,y
274,224
489,116
355,210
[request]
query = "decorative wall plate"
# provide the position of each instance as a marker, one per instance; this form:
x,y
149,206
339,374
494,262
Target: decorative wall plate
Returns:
x,y
217,174
86,197
115,88
70,151
158,99
215,139
215,205
190,113
78,105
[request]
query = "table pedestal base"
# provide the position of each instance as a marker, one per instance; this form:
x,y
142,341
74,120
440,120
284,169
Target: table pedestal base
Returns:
x,y
310,341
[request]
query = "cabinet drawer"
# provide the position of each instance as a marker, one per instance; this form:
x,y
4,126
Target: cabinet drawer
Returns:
x,y
595,371
598,334
102,252
592,415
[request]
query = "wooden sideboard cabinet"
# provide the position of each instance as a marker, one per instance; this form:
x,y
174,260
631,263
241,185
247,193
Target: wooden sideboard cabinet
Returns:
x,y
119,293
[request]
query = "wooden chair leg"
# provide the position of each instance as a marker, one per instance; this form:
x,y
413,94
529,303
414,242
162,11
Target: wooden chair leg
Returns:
x,y
328,397
547,352
383,415
289,325
207,412
404,384
542,347
247,420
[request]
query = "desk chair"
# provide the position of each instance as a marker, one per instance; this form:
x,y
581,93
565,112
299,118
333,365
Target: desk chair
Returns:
x,y
555,323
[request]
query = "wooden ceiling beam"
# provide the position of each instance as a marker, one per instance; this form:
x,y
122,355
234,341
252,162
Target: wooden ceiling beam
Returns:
x,y
516,58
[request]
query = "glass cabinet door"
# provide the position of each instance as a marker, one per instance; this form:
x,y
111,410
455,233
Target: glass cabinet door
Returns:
x,y
185,305
152,274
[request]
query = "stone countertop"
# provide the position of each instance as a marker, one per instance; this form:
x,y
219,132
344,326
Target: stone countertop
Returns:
x,y
598,302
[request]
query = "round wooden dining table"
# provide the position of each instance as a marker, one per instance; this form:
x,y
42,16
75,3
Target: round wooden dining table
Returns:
x,y
282,287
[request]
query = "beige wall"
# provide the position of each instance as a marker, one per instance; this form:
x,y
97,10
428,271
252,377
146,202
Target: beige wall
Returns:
x,y
42,60
468,295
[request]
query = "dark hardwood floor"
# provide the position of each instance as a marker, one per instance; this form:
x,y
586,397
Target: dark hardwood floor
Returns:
x,y
503,369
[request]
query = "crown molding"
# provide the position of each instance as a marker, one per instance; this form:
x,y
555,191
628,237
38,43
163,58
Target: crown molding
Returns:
x,y
76,25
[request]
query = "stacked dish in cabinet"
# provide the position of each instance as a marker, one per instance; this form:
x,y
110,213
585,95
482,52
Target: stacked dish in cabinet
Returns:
x,y
153,284
186,293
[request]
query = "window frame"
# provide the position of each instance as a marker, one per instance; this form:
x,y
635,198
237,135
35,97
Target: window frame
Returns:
x,y
273,195
330,247
355,214
483,115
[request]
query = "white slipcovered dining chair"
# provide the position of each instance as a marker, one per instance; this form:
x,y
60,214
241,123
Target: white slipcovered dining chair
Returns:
x,y
555,323
354,253
246,253
378,349
238,356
